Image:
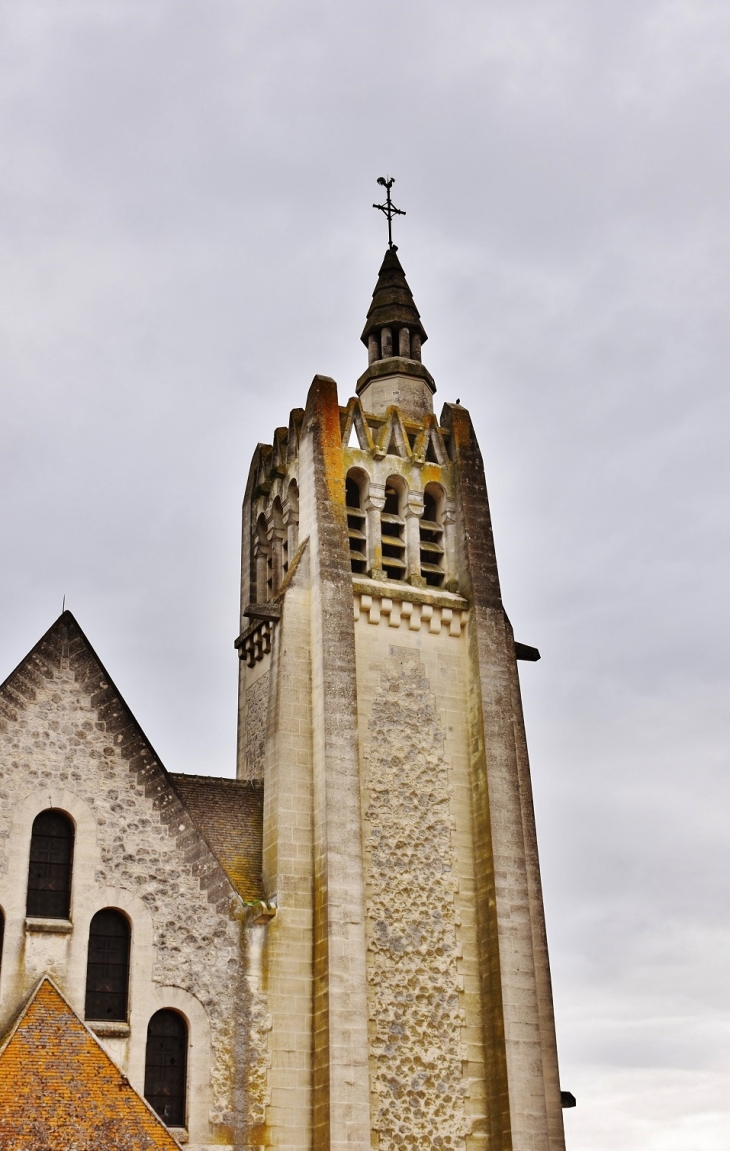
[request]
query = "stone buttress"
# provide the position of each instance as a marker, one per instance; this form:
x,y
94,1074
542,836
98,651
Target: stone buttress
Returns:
x,y
405,972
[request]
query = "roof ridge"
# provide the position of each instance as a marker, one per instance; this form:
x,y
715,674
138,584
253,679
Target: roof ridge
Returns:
x,y
211,778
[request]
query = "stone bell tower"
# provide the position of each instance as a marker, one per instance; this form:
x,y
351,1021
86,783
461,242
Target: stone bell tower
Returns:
x,y
403,973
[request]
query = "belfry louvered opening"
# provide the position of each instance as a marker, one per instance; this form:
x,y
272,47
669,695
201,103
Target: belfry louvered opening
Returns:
x,y
392,529
432,536
356,520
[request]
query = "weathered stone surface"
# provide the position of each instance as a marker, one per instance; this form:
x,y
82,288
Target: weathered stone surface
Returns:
x,y
257,704
456,962
415,1044
137,849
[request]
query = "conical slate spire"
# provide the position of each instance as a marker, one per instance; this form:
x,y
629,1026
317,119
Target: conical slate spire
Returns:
x,y
393,305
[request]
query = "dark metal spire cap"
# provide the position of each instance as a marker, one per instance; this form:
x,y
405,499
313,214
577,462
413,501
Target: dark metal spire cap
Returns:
x,y
393,303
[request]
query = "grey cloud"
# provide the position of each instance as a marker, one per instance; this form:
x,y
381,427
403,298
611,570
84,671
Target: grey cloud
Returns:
x,y
187,238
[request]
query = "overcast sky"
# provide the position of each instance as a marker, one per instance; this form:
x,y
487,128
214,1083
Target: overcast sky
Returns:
x,y
187,237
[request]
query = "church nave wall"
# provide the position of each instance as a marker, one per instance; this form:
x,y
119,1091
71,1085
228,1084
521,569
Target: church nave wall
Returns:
x,y
66,744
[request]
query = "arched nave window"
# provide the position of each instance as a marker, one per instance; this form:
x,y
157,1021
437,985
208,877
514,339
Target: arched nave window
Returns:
x,y
107,966
165,1071
51,861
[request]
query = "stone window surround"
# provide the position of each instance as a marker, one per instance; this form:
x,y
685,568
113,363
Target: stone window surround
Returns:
x,y
48,926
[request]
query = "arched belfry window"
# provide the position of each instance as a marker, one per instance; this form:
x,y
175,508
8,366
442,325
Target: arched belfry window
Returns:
x,y
356,520
165,1070
291,542
392,529
107,966
431,533
262,557
51,862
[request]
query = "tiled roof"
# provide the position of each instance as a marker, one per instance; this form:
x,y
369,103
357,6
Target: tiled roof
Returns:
x,y
60,1090
229,813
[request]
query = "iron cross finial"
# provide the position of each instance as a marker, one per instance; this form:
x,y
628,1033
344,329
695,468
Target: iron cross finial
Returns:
x,y
388,208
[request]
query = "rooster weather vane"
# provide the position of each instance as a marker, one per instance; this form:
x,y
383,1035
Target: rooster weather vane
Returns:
x,y
388,208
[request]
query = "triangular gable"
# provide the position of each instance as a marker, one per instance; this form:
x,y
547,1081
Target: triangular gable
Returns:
x,y
59,1089
429,446
354,419
65,643
392,439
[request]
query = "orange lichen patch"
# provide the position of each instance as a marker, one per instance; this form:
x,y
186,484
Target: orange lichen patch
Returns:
x,y
229,813
323,397
60,1091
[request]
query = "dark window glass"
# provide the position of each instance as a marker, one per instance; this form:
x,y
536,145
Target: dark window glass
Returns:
x,y
107,969
49,874
166,1066
2,935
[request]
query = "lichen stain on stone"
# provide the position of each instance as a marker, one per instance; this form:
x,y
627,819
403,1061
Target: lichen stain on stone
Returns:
x,y
415,1048
331,442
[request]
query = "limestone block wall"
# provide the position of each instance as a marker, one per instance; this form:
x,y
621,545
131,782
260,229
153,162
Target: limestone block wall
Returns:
x,y
288,879
66,742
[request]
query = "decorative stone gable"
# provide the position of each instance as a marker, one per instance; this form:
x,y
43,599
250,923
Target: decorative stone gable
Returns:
x,y
68,741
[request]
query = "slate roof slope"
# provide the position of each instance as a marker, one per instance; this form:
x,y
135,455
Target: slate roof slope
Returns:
x,y
59,1090
229,814
392,301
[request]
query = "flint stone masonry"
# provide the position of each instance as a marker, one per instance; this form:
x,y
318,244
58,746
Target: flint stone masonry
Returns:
x,y
414,1001
68,741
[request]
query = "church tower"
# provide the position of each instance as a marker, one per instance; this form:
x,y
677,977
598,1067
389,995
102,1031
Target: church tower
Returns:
x,y
403,968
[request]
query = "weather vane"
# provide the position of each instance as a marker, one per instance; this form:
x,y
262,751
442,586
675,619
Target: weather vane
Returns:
x,y
388,208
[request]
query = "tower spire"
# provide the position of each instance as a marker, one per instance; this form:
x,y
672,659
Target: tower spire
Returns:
x,y
393,335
